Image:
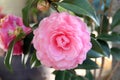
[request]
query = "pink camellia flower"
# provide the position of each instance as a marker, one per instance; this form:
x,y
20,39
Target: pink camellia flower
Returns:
x,y
61,41
9,28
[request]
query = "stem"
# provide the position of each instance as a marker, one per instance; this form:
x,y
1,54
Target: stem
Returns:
x,y
113,71
101,69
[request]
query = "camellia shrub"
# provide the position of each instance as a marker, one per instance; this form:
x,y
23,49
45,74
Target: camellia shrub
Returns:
x,y
71,33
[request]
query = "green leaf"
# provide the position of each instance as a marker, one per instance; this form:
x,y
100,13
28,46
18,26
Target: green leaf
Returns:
x,y
34,61
116,19
114,37
116,53
105,47
8,57
25,14
59,75
88,64
80,7
105,23
68,75
89,75
26,11
93,54
64,75
27,43
78,78
25,58
97,47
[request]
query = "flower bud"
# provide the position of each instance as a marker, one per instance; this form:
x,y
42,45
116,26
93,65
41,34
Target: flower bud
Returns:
x,y
43,6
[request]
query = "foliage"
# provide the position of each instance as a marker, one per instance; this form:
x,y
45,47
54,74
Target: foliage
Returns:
x,y
94,12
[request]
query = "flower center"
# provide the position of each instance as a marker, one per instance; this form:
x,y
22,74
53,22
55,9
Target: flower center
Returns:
x,y
63,41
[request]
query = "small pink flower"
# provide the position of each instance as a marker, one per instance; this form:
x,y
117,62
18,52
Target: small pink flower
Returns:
x,y
8,31
62,41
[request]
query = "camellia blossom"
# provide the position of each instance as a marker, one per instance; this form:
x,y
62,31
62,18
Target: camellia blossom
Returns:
x,y
9,28
61,41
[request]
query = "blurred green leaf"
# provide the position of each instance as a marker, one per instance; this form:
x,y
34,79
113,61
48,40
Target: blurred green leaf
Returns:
x,y
88,64
27,48
60,75
81,78
89,75
8,57
27,43
68,75
78,78
105,23
25,14
97,47
34,61
93,54
26,11
80,7
25,58
116,19
114,37
115,53
105,47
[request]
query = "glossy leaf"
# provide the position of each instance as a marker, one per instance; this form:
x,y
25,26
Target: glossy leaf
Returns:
x,y
80,7
116,53
27,43
68,75
114,37
34,61
88,64
105,23
59,75
105,47
25,58
78,78
116,19
89,75
97,47
93,54
25,14
8,57
27,48
26,11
